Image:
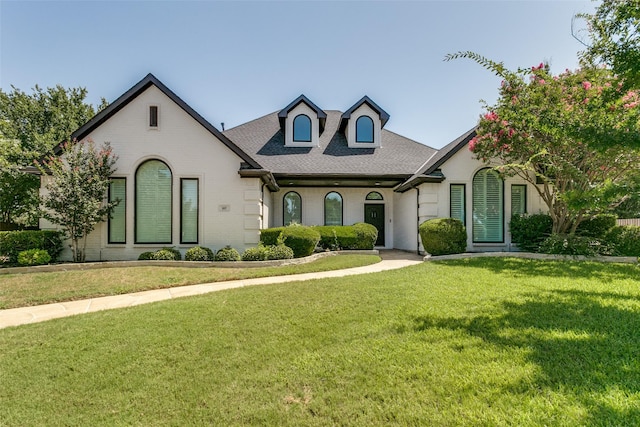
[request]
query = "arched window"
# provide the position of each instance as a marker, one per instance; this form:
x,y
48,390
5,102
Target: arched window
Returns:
x,y
302,128
374,195
153,202
364,129
292,208
488,207
333,209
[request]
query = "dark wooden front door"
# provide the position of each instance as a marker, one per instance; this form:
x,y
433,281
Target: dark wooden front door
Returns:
x,y
374,215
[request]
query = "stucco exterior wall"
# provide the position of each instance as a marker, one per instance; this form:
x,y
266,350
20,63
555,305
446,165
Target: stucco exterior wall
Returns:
x,y
405,227
350,130
302,108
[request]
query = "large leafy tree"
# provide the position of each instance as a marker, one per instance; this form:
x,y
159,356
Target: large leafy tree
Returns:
x,y
538,130
31,125
77,183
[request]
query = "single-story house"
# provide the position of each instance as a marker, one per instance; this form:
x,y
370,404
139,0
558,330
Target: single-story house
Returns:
x,y
182,182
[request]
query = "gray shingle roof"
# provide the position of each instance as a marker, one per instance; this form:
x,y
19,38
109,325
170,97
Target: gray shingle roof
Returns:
x,y
263,140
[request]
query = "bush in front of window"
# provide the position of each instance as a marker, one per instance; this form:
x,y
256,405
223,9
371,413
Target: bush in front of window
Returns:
x,y
14,242
227,254
34,257
258,253
529,231
145,256
300,238
574,245
198,253
624,240
165,255
443,236
279,252
598,226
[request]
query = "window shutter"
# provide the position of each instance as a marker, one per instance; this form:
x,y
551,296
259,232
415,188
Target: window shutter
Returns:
x,y
189,211
457,204
117,220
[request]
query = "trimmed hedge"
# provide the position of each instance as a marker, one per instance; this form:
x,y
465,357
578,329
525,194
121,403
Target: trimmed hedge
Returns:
x,y
198,253
443,236
146,256
300,238
34,257
357,236
597,227
529,231
14,242
227,254
279,252
624,240
258,253
558,244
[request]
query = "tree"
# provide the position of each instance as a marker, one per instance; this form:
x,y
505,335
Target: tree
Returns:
x,y
614,30
536,130
31,125
79,181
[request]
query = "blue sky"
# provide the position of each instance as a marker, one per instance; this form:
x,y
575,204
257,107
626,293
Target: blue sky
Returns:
x,y
236,61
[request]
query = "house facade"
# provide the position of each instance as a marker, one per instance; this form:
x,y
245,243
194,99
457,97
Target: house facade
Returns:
x,y
181,182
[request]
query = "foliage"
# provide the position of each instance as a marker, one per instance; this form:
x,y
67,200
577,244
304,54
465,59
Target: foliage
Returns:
x,y
259,253
270,236
356,236
146,256
18,197
79,182
165,255
528,231
443,236
614,30
573,136
367,235
198,253
278,252
176,253
14,242
300,238
572,244
227,254
597,226
624,240
34,257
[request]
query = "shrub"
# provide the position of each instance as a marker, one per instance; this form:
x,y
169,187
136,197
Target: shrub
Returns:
x,y
177,256
279,252
227,254
258,253
597,227
14,242
144,256
529,231
558,244
366,235
198,253
624,240
165,255
300,238
335,237
34,257
442,236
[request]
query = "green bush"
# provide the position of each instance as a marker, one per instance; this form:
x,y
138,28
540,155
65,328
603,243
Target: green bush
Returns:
x,y
177,256
443,236
574,245
366,234
227,254
164,255
597,227
300,238
624,240
356,236
258,253
279,252
14,242
144,256
34,257
529,231
198,253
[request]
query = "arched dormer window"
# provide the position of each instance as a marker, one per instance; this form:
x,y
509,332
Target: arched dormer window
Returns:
x,y
292,208
333,209
364,129
488,207
302,128
153,203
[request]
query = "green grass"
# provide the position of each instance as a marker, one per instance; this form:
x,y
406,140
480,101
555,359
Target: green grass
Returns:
x,y
490,342
21,290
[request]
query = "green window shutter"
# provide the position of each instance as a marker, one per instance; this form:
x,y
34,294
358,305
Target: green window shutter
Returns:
x,y
118,219
153,203
488,207
457,202
189,210
292,208
333,209
518,199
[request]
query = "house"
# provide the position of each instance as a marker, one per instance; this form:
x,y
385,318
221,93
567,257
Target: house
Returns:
x,y
183,183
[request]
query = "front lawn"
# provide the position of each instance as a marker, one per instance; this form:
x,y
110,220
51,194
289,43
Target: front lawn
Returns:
x,y
21,290
483,341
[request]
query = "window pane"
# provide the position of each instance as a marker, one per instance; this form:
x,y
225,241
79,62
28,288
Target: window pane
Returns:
x,y
457,202
153,116
153,203
302,128
518,199
292,208
374,195
487,207
333,209
364,129
189,211
117,220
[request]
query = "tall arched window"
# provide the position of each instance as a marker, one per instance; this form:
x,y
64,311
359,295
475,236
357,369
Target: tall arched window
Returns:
x,y
302,128
292,208
364,129
488,207
333,209
153,202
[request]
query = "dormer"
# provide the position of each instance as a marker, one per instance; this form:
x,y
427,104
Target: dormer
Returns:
x,y
302,122
362,124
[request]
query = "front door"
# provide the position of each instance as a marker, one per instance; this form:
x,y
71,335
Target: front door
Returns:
x,y
374,215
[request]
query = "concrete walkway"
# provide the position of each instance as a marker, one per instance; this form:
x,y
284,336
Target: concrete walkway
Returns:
x,y
19,316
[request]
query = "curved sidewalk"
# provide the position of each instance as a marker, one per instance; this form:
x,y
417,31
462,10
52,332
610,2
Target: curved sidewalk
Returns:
x,y
19,316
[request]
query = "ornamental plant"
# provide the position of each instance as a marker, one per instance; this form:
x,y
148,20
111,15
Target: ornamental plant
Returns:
x,y
574,136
